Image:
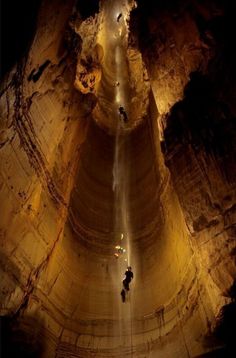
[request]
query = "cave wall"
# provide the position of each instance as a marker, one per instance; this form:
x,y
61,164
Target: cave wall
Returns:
x,y
81,285
42,129
56,186
14,47
189,57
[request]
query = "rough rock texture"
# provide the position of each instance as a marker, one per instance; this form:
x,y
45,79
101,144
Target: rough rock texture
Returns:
x,y
190,63
88,71
60,137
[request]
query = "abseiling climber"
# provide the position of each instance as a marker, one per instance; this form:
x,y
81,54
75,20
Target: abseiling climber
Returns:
x,y
128,278
123,114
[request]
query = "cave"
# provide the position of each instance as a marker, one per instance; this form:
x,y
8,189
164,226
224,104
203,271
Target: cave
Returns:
x,y
117,150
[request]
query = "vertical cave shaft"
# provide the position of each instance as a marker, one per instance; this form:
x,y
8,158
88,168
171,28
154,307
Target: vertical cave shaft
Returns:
x,y
79,178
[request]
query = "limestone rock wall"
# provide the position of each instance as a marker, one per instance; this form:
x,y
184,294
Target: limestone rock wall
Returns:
x,y
42,129
189,57
59,279
79,291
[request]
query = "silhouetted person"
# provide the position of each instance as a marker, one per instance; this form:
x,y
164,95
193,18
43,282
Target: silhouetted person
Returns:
x,y
123,295
123,114
128,277
118,17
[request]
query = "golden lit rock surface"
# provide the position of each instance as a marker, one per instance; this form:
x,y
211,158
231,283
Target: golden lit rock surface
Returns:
x,y
75,177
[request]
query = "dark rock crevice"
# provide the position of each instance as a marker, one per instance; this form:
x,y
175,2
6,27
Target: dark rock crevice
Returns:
x,y
18,26
87,8
36,74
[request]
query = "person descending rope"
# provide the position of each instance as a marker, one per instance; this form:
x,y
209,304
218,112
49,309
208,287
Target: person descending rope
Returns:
x,y
128,277
123,114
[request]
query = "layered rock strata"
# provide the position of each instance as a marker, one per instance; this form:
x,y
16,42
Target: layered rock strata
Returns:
x,y
60,286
